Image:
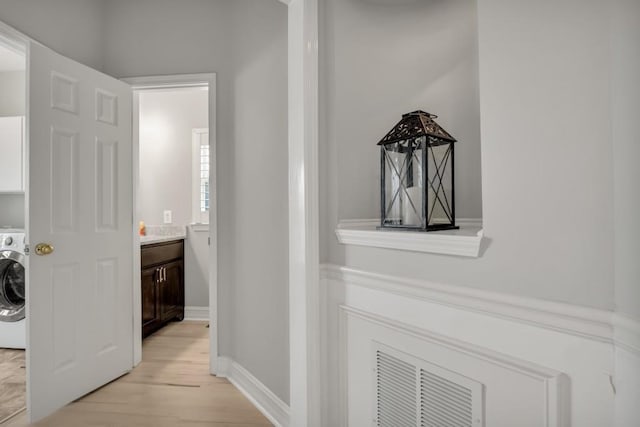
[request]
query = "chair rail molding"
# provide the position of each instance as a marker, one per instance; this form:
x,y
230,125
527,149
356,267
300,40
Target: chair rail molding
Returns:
x,y
627,333
580,321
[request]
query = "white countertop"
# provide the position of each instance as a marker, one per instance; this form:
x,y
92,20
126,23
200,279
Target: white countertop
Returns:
x,y
159,234
147,240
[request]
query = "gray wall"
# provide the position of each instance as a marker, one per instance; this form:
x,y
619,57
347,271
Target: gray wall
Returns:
x,y
167,118
13,93
245,43
73,28
196,252
260,177
389,59
625,105
626,152
381,60
546,159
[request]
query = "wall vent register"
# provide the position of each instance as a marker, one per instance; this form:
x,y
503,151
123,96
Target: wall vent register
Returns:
x,y
410,392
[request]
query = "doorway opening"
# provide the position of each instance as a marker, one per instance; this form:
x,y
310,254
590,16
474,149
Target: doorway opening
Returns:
x,y
174,195
12,233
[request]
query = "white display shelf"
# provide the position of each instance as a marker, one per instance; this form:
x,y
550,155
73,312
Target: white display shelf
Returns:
x,y
464,242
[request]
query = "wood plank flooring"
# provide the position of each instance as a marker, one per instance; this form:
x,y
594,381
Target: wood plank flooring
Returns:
x,y
171,387
12,382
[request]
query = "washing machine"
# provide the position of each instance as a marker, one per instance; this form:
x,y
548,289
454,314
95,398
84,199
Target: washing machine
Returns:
x,y
13,328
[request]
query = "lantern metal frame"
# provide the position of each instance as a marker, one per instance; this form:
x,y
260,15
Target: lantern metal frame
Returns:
x,y
419,132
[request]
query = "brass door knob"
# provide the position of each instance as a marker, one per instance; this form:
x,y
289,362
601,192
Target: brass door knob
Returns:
x,y
43,249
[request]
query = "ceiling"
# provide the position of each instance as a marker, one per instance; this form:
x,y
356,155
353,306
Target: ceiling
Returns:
x,y
10,60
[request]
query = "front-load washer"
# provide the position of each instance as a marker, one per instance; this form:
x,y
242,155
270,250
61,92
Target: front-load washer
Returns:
x,y
13,330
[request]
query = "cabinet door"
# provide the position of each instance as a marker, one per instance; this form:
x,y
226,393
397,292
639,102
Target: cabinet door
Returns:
x,y
11,154
172,291
150,309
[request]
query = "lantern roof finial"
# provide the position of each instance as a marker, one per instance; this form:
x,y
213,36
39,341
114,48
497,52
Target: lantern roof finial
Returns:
x,y
417,124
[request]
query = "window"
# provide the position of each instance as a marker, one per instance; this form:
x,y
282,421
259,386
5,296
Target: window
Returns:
x,y
201,180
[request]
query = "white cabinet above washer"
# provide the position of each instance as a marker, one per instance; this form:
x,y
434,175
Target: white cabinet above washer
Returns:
x,y
11,154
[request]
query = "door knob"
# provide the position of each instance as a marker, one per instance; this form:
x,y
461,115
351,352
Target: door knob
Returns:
x,y
43,249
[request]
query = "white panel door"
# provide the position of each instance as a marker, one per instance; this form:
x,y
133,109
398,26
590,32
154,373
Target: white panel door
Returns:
x,y
79,300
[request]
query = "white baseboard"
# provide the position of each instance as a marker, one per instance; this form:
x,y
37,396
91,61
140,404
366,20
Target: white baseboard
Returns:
x,y
264,399
196,313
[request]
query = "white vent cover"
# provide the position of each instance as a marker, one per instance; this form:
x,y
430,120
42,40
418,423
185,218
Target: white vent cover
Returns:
x,y
410,392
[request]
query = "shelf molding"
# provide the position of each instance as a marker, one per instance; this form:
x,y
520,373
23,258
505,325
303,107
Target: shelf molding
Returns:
x,y
465,242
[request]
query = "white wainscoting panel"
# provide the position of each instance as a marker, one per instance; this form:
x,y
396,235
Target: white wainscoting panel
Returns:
x,y
536,347
264,399
518,393
627,372
627,333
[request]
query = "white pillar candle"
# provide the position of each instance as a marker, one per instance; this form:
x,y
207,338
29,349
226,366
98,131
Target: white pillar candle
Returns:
x,y
412,215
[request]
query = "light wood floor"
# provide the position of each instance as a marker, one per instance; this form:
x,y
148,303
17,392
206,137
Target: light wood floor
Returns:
x,y
12,382
171,387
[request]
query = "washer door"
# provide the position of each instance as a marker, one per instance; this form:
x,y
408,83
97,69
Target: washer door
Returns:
x,y
12,286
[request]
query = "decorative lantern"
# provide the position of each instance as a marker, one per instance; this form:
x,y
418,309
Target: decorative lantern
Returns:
x,y
416,176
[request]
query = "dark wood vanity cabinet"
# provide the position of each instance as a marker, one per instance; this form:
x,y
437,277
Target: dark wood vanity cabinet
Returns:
x,y
162,284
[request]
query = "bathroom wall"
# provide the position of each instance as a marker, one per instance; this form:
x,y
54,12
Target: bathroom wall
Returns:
x,y
12,93
167,118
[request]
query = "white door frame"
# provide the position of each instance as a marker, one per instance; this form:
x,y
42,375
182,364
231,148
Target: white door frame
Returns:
x,y
163,82
304,239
